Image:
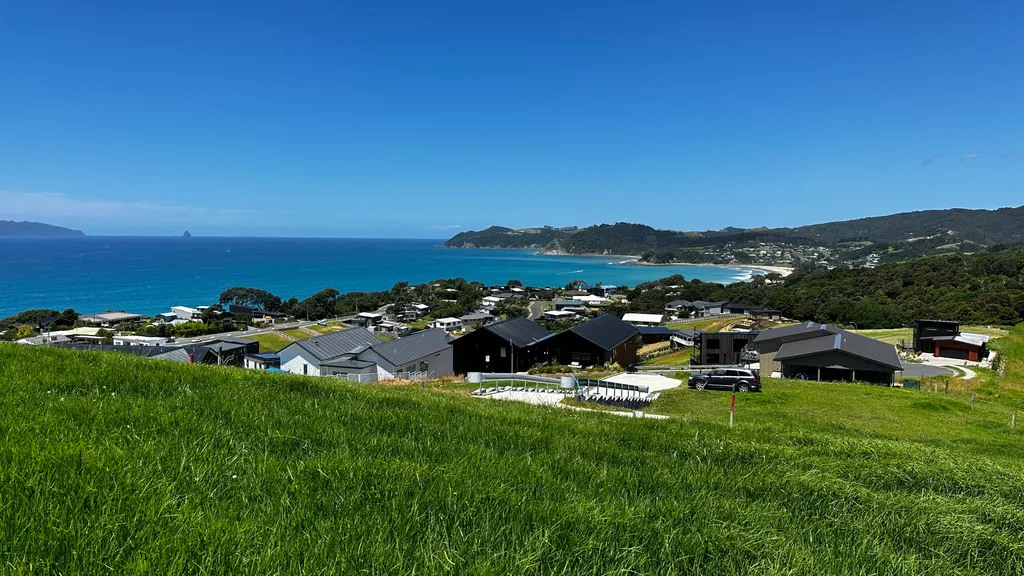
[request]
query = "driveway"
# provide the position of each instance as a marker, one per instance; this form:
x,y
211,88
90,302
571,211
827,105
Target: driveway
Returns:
x,y
911,370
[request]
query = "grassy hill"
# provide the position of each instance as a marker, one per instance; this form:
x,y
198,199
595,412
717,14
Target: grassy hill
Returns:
x,y
115,464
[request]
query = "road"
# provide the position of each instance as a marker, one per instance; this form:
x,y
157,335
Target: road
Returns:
x,y
250,332
911,370
536,310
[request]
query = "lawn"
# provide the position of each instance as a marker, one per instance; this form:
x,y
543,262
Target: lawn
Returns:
x,y
297,333
896,335
111,463
709,324
678,358
270,341
326,329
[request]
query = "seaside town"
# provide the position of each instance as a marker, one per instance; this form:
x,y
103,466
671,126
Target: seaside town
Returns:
x,y
453,329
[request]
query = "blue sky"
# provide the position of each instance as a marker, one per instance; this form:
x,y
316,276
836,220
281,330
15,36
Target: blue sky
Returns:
x,y
422,119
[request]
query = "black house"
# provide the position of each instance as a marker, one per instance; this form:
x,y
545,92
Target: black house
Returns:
x,y
925,332
596,342
513,345
720,348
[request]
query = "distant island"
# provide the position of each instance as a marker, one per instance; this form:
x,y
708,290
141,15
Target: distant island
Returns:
x,y
12,228
187,234
865,242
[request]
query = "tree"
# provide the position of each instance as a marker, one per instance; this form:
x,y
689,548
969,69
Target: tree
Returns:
x,y
252,297
68,317
319,305
107,335
25,331
512,283
512,308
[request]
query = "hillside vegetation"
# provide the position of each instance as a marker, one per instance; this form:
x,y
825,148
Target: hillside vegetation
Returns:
x,y
115,464
896,237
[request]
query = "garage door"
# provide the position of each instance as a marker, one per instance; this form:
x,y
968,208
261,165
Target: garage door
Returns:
x,y
954,353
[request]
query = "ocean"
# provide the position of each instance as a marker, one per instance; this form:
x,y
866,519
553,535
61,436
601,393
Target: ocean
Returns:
x,y
148,275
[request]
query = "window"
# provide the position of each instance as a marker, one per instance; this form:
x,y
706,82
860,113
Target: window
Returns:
x,y
503,353
732,373
305,369
424,366
714,344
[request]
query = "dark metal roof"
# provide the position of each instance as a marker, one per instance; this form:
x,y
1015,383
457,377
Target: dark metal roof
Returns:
x,y
265,356
804,329
476,316
335,344
414,346
354,364
656,331
843,341
606,331
678,303
742,306
520,331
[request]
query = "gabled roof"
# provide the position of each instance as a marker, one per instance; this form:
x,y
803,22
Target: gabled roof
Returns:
x,y
655,330
806,329
520,331
679,303
636,317
335,344
413,347
843,341
605,331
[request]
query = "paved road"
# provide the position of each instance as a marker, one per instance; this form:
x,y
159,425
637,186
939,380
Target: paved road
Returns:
x,y
911,370
536,310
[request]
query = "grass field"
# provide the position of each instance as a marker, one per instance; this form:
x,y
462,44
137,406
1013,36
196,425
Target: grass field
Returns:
x,y
678,358
709,325
297,333
270,341
111,463
326,329
896,335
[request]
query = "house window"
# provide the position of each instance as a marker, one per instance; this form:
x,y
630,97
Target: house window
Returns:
x,y
714,344
503,353
424,366
305,369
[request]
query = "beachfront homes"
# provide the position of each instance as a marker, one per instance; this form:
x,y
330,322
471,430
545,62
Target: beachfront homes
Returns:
x,y
679,308
822,352
225,351
513,345
476,319
186,313
644,319
943,338
559,314
596,342
139,341
723,348
702,309
109,318
415,311
356,354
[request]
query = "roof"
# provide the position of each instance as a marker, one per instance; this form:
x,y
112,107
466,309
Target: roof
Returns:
x,y
558,313
964,337
843,341
633,317
937,321
606,331
265,356
354,364
476,316
448,320
742,306
414,346
678,303
335,344
568,303
109,316
705,304
805,328
520,331
656,331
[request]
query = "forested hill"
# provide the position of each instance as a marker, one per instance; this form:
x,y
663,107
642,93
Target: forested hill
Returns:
x,y
914,233
11,228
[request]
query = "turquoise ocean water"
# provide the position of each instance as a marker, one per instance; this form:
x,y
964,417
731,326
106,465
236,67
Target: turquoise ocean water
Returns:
x,y
149,275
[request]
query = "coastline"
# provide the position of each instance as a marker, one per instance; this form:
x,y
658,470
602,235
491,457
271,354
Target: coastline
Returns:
x,y
766,268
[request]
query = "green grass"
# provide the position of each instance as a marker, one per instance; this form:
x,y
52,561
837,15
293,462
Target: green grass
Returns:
x,y
326,329
1011,348
115,464
896,335
270,341
678,358
297,333
708,325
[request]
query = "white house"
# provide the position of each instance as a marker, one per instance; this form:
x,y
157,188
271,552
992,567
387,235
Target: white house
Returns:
x,y
591,300
185,313
310,355
447,324
559,314
643,319
491,301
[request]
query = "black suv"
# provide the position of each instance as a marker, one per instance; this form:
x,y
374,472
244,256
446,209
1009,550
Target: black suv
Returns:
x,y
746,380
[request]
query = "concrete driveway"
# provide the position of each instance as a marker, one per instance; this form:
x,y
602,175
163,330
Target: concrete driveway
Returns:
x,y
911,370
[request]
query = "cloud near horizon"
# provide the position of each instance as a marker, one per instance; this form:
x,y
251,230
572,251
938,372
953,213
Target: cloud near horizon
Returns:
x,y
931,160
970,157
444,226
47,206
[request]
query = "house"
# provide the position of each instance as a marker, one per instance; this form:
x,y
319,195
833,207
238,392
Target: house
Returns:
x,y
186,313
559,314
723,348
310,356
166,317
571,294
823,352
109,318
139,341
592,300
679,307
513,345
604,290
490,302
702,308
768,342
80,334
264,361
424,354
686,337
644,319
765,314
476,319
369,318
448,324
655,334
596,342
190,354
571,305
943,338
739,308
414,311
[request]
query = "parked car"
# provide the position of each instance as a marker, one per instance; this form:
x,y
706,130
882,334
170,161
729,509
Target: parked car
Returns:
x,y
746,380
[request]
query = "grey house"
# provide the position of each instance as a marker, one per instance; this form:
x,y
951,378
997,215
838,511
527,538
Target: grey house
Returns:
x,y
820,352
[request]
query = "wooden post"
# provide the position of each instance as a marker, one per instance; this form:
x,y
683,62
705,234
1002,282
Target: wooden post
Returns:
x,y
972,400
947,385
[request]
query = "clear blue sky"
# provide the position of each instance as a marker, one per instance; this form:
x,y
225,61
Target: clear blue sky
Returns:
x,y
420,119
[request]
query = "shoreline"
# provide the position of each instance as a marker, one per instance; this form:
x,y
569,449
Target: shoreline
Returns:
x,y
635,261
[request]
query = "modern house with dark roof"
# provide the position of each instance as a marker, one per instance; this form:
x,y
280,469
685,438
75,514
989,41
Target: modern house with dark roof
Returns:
x,y
943,338
264,361
513,345
356,354
821,352
596,342
740,308
679,307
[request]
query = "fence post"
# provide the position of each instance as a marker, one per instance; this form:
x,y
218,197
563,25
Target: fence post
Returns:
x,y
732,405
947,385
972,400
